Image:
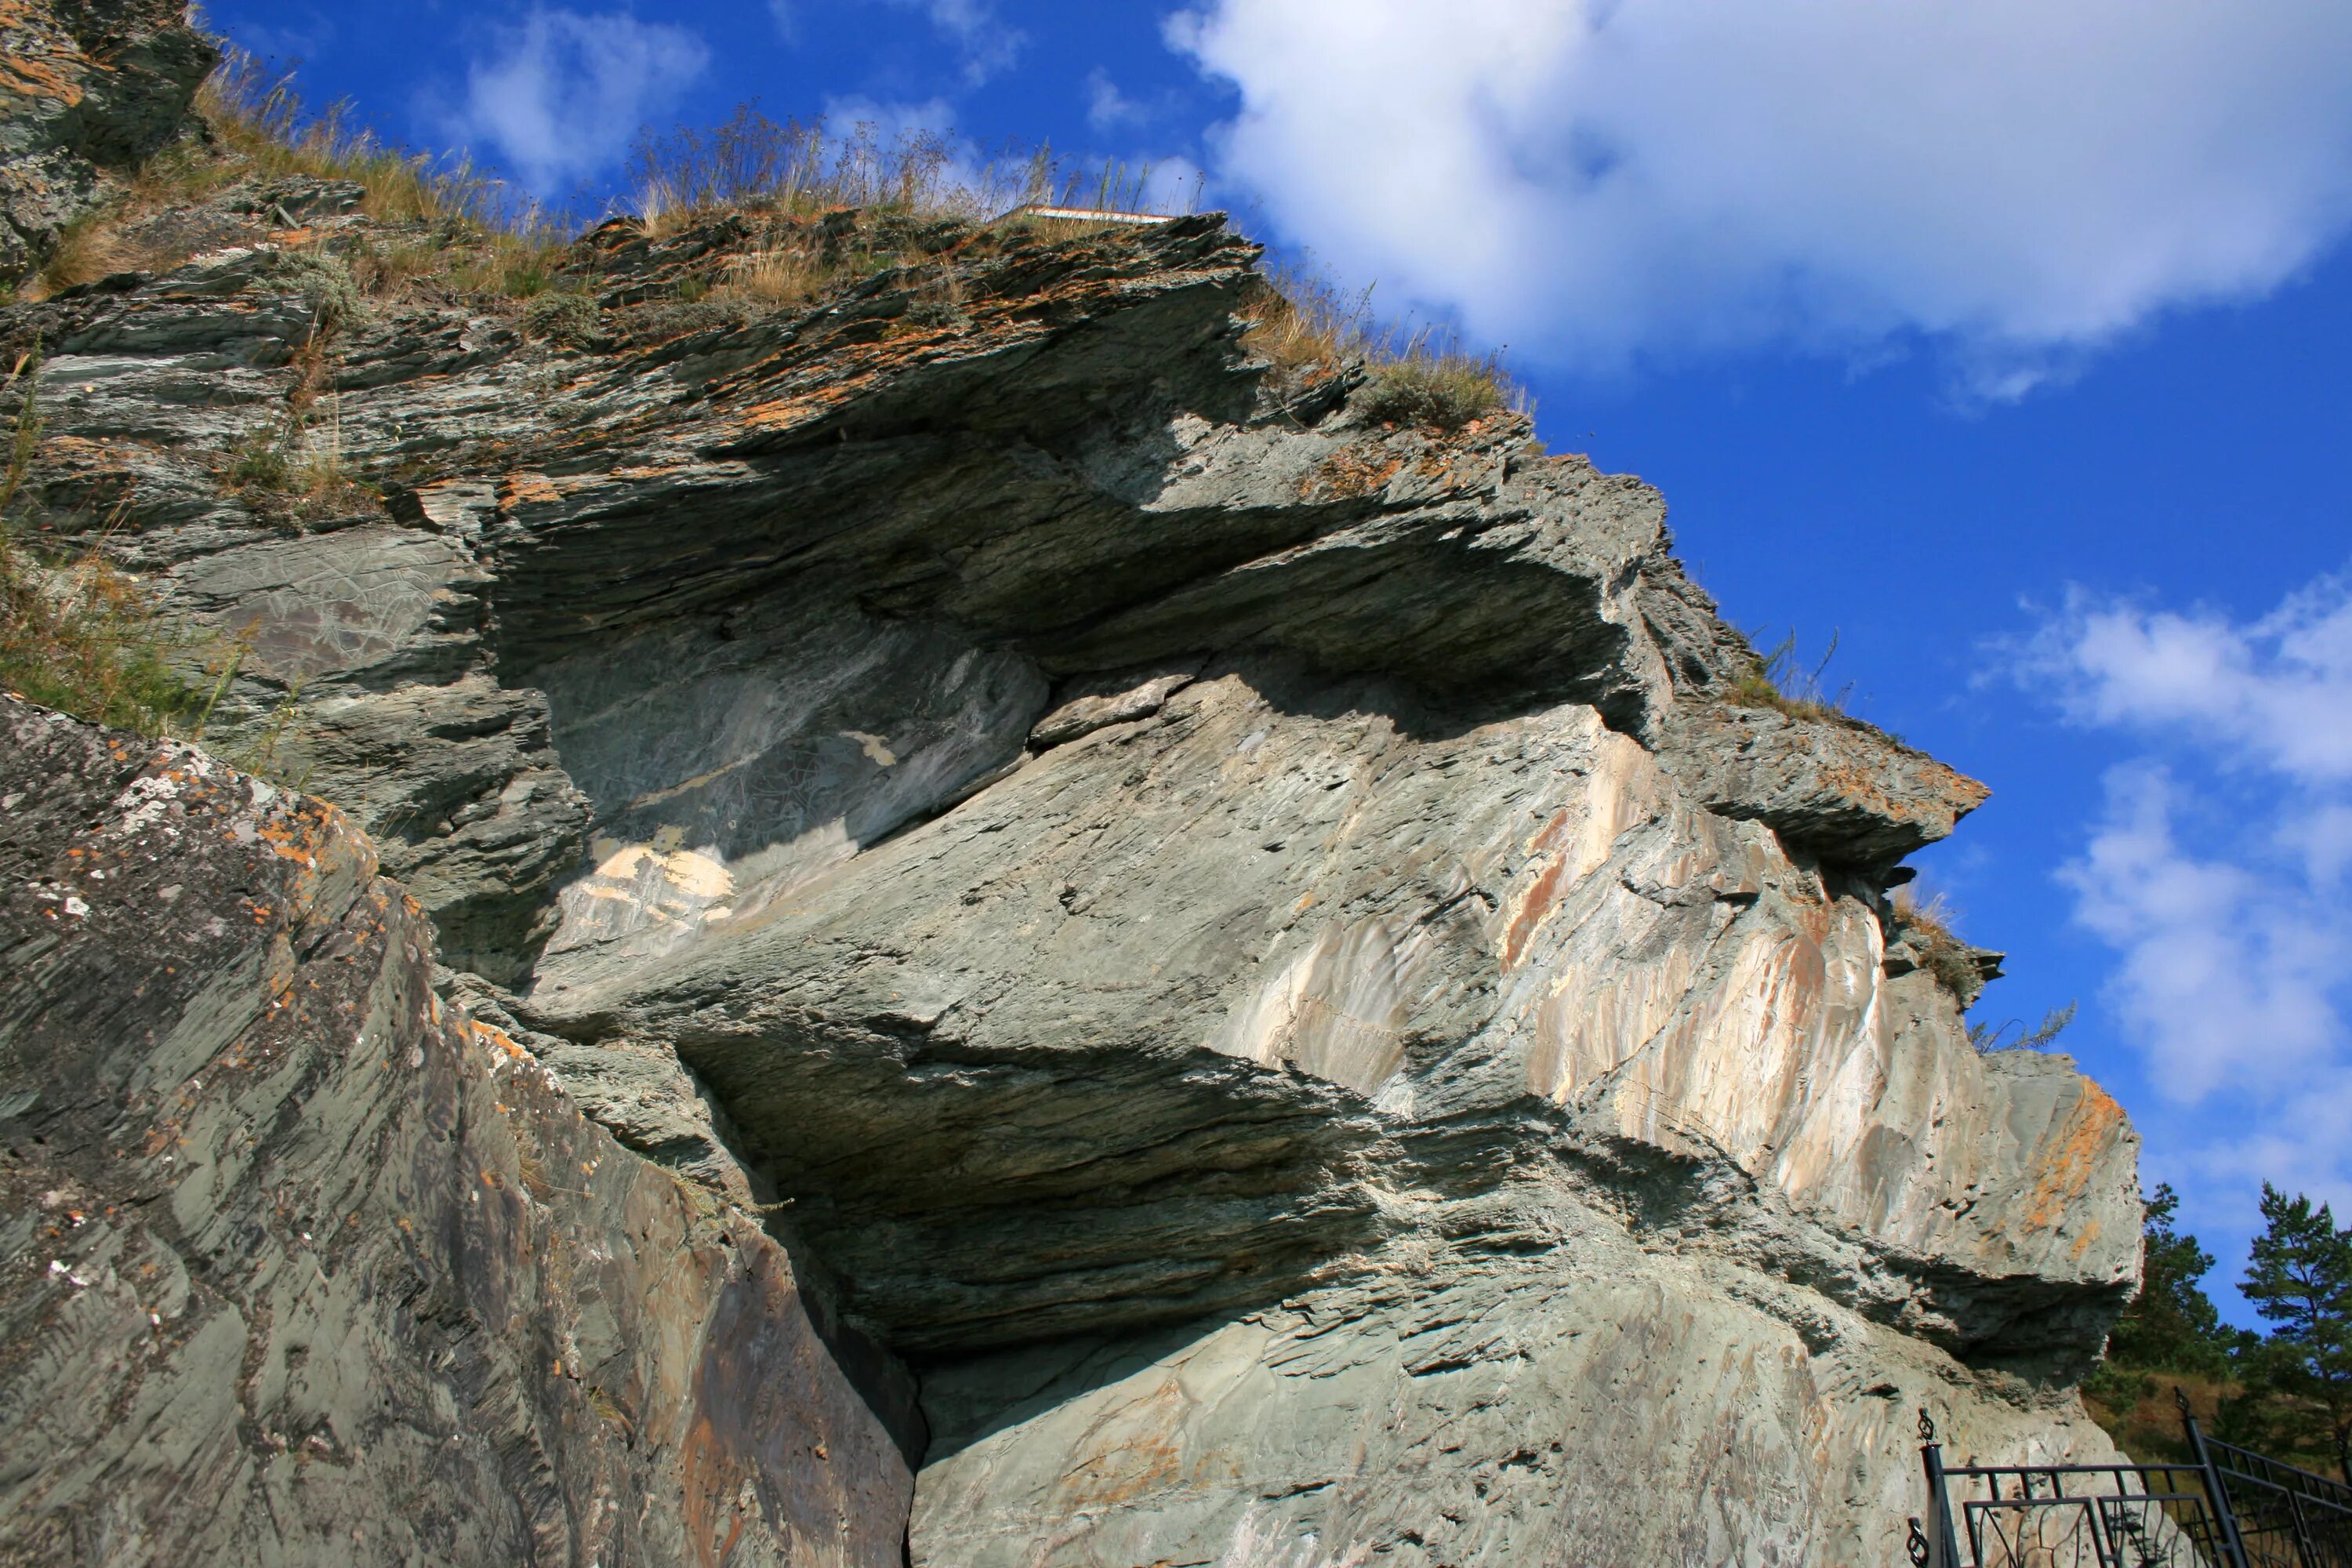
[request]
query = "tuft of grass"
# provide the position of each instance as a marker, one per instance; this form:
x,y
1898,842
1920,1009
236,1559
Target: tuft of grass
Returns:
x,y
87,250
774,278
1942,953
1442,389
568,319
1310,329
382,271
257,115
1996,1037
1776,680
523,259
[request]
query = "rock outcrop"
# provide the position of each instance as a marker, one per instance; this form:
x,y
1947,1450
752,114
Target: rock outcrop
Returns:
x,y
305,1266
89,90
1258,951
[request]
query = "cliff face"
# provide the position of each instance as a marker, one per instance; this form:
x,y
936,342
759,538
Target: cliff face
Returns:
x,y
1246,944
89,90
304,1266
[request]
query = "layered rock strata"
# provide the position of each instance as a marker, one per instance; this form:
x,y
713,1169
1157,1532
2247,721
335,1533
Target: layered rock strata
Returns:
x,y
304,1266
1267,956
89,90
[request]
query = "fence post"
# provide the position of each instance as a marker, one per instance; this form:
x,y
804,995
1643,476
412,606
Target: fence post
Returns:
x,y
2217,1492
1941,1544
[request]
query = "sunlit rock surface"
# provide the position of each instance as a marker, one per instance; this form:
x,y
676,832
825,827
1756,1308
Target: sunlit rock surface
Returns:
x,y
304,1266
1288,1004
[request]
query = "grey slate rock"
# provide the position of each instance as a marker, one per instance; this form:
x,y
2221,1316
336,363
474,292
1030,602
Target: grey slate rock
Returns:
x,y
304,1266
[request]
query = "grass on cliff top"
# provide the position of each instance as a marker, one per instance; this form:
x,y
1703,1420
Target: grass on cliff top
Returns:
x,y
1778,680
1308,328
254,125
1949,959
1942,953
467,234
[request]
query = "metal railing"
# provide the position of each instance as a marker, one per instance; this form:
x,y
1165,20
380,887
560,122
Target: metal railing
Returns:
x,y
2227,1508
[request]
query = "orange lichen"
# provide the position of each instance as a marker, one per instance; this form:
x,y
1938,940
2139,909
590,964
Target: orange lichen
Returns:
x,y
2072,1158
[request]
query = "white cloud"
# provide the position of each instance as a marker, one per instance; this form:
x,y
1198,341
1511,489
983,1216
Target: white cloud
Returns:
x,y
2277,691
2217,873
1595,180
2228,966
560,94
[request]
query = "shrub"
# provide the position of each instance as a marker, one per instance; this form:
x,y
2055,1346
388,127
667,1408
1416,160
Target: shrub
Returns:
x,y
260,462
1444,392
324,282
568,319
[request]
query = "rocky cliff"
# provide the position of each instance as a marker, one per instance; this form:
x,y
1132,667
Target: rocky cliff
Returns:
x,y
1230,980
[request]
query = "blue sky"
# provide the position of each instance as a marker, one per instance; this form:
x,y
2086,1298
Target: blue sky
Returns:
x,y
2010,342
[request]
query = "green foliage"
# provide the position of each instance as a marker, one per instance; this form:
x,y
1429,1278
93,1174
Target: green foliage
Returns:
x,y
260,462
2173,1326
2299,1278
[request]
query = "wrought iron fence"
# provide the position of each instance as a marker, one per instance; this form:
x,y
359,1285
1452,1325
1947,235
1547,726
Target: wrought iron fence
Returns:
x,y
2227,1508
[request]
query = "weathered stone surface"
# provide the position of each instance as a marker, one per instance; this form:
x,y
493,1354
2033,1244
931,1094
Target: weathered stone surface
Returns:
x,y
1838,789
1247,941
1585,1401
86,87
302,1265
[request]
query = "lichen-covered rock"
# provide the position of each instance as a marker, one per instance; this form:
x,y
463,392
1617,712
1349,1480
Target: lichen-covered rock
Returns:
x,y
1249,939
302,1265
88,87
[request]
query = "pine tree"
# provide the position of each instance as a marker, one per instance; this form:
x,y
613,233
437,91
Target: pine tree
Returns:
x,y
2300,1279
2173,1325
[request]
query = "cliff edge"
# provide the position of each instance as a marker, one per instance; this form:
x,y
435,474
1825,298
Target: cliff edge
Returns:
x,y
1261,960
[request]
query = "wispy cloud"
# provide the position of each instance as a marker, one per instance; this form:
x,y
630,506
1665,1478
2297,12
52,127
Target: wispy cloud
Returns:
x,y
559,95
1107,108
2217,873
1601,180
987,43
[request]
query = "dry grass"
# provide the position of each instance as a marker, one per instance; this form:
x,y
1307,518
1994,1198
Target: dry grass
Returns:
x,y
80,636
773,279
259,116
1942,953
754,164
256,127
1309,330
1997,1036
1776,680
